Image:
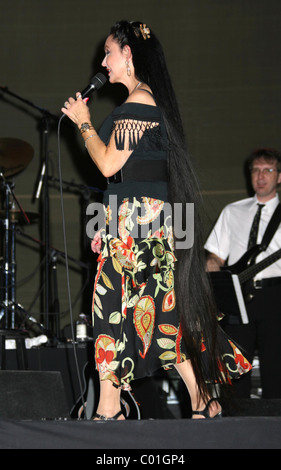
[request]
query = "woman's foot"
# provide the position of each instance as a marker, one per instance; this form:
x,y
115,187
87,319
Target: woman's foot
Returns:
x,y
109,417
201,408
109,407
210,410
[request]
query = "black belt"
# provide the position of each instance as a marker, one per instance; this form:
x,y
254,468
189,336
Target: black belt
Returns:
x,y
141,170
267,282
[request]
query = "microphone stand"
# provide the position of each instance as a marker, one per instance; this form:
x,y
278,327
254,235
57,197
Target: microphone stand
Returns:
x,y
56,305
85,193
47,117
80,187
44,111
46,222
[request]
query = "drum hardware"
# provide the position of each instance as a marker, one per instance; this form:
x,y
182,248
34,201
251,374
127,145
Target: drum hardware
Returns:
x,y
20,218
9,261
25,317
43,182
47,117
10,218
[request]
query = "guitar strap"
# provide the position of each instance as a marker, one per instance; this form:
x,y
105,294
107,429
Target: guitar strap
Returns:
x,y
271,228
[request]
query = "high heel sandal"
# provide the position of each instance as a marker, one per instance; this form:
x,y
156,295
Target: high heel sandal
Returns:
x,y
105,418
206,412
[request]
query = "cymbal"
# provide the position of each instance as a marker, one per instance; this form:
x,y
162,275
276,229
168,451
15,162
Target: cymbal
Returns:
x,y
15,155
17,217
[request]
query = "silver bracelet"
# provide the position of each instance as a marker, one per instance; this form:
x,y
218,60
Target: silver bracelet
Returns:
x,y
90,136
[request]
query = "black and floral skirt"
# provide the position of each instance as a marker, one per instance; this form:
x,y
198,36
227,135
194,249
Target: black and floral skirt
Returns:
x,y
136,326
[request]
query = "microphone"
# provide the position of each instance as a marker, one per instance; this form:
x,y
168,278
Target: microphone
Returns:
x,y
95,84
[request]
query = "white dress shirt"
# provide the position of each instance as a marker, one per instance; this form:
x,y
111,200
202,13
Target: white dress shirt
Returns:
x,y
229,237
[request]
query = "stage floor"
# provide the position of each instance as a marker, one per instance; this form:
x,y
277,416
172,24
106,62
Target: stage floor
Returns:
x,y
146,436
49,388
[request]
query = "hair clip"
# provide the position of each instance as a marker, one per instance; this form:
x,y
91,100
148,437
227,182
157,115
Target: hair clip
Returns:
x,y
145,31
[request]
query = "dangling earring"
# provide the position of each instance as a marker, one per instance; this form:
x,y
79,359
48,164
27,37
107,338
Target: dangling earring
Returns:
x,y
128,68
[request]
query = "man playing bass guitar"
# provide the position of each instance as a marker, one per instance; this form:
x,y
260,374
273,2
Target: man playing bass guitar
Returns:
x,y
239,231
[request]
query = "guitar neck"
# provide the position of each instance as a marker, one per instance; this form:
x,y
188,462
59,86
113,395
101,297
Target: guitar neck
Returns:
x,y
250,272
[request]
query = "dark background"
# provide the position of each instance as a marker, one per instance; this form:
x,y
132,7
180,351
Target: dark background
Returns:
x,y
224,59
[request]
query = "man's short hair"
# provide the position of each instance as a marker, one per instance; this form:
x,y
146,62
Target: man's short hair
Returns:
x,y
268,154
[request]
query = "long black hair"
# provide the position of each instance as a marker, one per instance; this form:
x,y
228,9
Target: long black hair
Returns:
x,y
193,292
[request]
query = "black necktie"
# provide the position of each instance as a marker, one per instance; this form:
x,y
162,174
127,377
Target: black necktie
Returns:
x,y
255,227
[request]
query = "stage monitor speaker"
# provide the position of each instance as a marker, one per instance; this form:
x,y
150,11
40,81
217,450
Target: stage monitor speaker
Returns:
x,y
32,395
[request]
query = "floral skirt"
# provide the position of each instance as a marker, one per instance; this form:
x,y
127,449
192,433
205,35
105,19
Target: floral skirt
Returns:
x,y
136,326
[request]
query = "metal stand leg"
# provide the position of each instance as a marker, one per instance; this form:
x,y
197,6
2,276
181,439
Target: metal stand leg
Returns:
x,y
7,256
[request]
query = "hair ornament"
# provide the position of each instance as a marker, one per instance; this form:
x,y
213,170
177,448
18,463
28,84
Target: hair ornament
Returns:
x,y
145,31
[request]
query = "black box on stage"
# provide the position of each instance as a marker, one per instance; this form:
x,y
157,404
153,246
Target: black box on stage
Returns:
x,y
32,395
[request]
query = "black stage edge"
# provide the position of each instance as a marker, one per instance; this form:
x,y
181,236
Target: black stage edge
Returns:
x,y
35,409
147,435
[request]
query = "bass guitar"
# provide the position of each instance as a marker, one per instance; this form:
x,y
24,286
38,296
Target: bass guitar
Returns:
x,y
245,269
